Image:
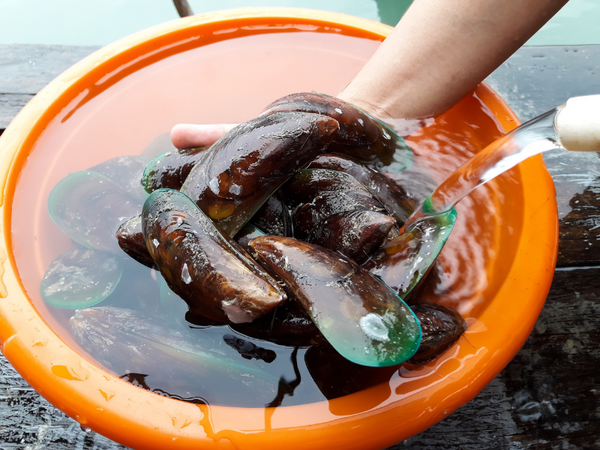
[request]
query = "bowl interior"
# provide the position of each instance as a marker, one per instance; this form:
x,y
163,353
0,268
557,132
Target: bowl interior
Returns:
x,y
226,71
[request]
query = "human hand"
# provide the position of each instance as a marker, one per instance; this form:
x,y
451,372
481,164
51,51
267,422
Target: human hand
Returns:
x,y
185,135
362,136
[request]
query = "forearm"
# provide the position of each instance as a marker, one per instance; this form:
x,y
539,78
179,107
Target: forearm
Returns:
x,y
441,50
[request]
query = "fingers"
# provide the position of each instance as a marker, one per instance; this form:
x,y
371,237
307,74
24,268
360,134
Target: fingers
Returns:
x,y
187,135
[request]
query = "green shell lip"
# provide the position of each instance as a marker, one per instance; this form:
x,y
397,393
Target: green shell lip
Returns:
x,y
80,278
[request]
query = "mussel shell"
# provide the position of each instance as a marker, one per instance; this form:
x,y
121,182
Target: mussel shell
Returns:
x,y
205,267
358,315
361,136
89,208
318,194
274,216
405,261
288,324
126,171
441,328
252,161
181,363
131,240
354,234
396,199
175,309
246,234
80,277
309,184
170,169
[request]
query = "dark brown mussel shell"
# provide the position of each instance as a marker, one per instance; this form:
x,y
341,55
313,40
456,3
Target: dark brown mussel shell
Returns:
x,y
354,234
317,194
246,234
274,216
361,136
205,267
358,315
170,169
89,208
252,161
288,324
396,199
131,240
309,184
441,327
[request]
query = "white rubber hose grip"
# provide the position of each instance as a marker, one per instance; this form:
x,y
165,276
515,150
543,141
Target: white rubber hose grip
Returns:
x,y
578,124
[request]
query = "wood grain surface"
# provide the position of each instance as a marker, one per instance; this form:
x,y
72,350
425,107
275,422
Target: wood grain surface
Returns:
x,y
548,397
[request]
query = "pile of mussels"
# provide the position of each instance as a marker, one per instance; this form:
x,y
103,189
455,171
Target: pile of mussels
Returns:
x,y
287,222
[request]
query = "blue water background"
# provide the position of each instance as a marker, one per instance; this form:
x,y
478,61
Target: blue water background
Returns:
x,y
100,22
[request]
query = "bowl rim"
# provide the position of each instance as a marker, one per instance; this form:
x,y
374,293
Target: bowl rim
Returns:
x,y
139,419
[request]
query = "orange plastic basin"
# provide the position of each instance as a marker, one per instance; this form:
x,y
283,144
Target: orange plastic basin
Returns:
x,y
225,67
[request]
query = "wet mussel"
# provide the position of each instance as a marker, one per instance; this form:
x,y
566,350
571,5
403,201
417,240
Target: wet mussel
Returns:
x,y
140,343
395,198
169,170
286,232
249,163
400,263
89,206
360,136
332,209
358,315
80,277
202,265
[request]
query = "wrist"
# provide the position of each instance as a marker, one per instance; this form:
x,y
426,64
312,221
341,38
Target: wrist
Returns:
x,y
369,107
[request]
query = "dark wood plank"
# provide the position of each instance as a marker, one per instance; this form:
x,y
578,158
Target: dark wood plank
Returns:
x,y
548,397
10,105
26,69
28,421
535,80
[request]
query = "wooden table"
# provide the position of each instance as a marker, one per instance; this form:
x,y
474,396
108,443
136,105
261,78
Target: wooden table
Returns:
x,y
548,397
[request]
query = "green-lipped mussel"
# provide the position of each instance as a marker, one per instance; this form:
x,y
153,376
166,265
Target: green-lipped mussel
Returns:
x,y
361,136
170,170
405,260
358,315
253,186
89,208
441,328
80,277
202,265
398,202
334,210
128,342
252,161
